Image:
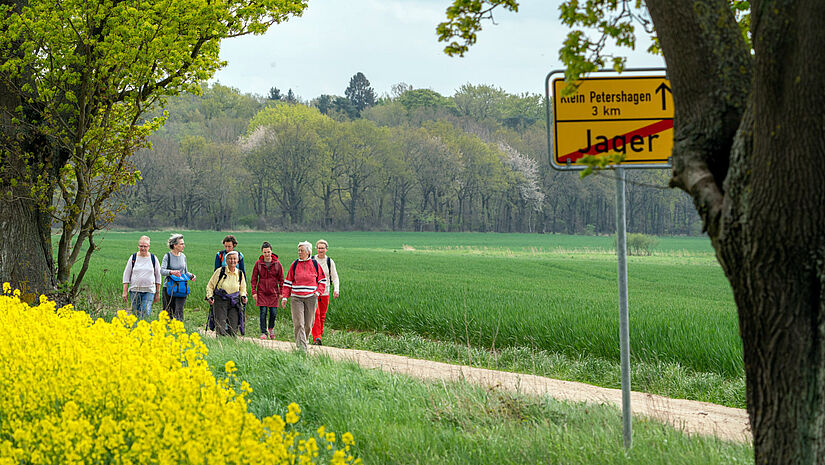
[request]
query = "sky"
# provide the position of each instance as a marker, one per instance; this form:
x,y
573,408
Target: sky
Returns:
x,y
393,41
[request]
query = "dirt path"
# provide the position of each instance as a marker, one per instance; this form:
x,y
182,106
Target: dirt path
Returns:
x,y
690,416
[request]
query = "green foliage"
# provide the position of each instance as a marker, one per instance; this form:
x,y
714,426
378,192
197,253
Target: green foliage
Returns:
x,y
423,98
614,21
323,103
282,146
283,113
85,73
599,162
344,107
359,93
742,10
476,166
640,244
464,22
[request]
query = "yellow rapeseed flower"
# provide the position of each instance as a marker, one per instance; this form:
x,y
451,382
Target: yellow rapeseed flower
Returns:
x,y
127,392
229,367
294,408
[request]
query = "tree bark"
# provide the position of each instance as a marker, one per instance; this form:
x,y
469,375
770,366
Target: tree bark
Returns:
x,y
26,254
749,143
25,259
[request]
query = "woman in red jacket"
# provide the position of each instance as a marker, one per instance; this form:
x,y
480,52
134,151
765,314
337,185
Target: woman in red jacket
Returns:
x,y
267,285
305,281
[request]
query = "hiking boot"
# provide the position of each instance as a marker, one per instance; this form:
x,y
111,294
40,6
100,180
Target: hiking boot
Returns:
x,y
263,336
318,341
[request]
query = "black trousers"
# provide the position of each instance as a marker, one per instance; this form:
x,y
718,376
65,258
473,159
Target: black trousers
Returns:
x,y
173,305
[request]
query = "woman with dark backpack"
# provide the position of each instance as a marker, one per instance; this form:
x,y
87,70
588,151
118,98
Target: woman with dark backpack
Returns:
x,y
141,279
226,293
229,244
331,271
304,282
267,286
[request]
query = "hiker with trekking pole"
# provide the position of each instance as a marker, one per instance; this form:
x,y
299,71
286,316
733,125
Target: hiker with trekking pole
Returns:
x,y
226,293
229,243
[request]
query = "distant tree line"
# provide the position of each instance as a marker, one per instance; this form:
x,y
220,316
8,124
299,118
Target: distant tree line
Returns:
x,y
411,160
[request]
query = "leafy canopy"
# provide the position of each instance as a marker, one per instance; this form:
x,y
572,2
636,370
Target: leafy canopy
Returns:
x,y
580,54
614,21
81,75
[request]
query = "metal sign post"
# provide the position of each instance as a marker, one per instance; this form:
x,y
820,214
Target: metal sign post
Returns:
x,y
631,115
624,320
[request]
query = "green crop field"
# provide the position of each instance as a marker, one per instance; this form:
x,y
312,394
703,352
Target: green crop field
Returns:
x,y
545,292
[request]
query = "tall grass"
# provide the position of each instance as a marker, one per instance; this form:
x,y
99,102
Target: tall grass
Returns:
x,y
546,292
397,420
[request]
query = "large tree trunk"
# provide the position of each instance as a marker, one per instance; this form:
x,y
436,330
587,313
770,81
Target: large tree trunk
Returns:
x,y
749,143
776,259
25,255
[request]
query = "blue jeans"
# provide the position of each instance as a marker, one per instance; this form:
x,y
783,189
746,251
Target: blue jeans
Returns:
x,y
273,312
142,303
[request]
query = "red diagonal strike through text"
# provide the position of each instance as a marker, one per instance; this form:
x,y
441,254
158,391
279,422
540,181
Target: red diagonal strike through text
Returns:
x,y
654,128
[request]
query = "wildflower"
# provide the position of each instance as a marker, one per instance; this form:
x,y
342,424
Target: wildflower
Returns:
x,y
229,367
294,408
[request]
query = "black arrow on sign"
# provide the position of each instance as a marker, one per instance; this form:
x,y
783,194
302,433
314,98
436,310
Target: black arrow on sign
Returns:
x,y
663,88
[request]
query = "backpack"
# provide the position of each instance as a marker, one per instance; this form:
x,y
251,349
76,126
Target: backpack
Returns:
x,y
329,267
295,263
177,286
222,254
210,320
134,259
329,263
223,275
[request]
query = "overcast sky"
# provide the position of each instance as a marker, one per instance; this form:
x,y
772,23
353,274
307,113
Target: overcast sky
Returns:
x,y
393,41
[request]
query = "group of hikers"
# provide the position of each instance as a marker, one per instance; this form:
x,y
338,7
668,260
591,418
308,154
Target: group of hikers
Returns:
x,y
306,285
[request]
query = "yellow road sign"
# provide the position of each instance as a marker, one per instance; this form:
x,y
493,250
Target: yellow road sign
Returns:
x,y
631,115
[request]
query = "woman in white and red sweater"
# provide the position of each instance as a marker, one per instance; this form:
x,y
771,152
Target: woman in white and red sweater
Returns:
x,y
304,282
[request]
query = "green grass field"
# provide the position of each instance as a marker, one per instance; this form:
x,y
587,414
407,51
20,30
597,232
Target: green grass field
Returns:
x,y
399,420
535,304
551,293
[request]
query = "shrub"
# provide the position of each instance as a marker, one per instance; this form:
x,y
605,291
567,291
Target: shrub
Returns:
x,y
639,244
84,391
